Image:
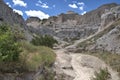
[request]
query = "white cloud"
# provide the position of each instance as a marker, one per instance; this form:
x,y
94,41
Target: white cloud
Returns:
x,y
20,3
76,4
73,5
81,3
35,13
83,13
41,4
8,4
81,8
18,11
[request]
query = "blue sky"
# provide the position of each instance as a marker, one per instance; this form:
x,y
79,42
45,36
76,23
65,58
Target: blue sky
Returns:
x,y
46,8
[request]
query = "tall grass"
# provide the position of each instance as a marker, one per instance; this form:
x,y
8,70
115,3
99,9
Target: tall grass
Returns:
x,y
36,56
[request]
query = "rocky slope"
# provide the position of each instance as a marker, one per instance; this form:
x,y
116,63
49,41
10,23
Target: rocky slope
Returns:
x,y
99,24
78,66
70,25
8,16
107,37
110,40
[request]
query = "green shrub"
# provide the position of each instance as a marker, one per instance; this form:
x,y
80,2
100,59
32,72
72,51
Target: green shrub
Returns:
x,y
102,75
9,48
31,58
45,40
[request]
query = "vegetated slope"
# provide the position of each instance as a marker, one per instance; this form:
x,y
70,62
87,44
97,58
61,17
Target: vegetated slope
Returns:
x,y
33,62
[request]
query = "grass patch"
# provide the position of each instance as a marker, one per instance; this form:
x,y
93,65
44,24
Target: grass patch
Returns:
x,y
35,56
102,75
31,58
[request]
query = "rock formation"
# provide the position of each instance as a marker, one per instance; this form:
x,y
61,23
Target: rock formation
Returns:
x,y
8,16
31,19
70,25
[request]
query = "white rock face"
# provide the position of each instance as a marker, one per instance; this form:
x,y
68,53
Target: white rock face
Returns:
x,y
110,41
110,16
79,66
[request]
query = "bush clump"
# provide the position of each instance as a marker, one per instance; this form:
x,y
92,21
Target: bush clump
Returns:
x,y
17,55
45,40
9,47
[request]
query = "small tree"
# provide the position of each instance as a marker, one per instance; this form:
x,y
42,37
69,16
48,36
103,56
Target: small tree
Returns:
x,y
9,48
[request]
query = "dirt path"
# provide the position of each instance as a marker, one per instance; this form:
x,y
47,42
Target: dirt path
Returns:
x,y
78,66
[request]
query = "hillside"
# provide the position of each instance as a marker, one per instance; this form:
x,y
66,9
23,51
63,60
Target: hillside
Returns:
x,y
20,59
68,46
70,25
107,38
13,19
